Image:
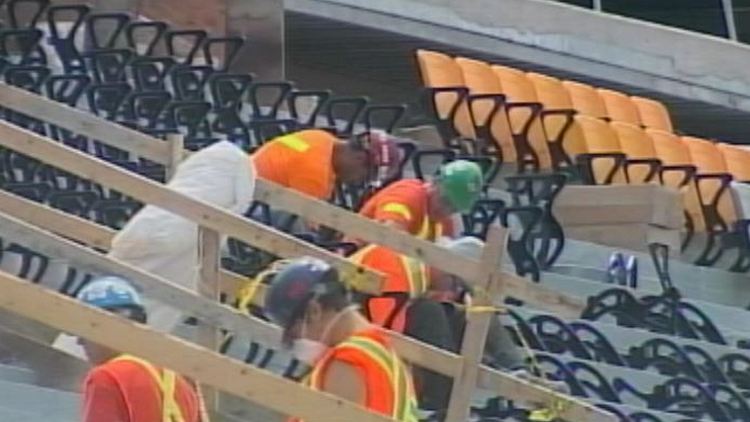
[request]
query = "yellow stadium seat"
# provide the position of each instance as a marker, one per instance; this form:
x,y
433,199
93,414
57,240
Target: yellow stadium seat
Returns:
x,y
679,172
653,114
737,161
713,183
444,80
604,162
619,107
642,165
558,118
586,99
487,108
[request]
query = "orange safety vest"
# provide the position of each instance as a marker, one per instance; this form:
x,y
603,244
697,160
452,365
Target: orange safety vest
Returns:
x,y
428,229
144,403
403,275
388,383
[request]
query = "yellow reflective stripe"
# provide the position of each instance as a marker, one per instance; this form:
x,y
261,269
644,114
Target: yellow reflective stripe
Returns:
x,y
166,382
398,208
416,274
294,142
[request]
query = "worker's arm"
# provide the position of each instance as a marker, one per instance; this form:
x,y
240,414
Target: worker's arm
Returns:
x,y
102,399
344,380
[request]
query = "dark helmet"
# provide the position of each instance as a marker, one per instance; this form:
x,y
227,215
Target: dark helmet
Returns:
x,y
294,285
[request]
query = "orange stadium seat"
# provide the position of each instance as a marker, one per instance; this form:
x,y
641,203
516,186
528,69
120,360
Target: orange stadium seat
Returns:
x,y
604,162
642,165
653,114
487,106
586,99
620,108
737,161
565,139
448,93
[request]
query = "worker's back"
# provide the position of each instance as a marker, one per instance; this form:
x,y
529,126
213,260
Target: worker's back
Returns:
x,y
127,388
406,203
302,161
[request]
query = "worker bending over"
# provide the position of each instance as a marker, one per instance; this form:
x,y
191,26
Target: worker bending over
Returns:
x,y
124,388
350,357
425,209
312,161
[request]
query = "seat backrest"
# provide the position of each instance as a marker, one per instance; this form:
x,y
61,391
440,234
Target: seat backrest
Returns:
x,y
673,152
550,92
708,158
480,79
634,141
439,70
653,114
705,154
599,137
669,148
619,106
586,99
737,161
516,86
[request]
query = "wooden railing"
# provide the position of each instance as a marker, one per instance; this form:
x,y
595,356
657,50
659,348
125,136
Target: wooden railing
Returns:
x,y
485,274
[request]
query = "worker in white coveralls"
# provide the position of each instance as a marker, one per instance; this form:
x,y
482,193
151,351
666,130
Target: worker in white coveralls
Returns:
x,y
165,244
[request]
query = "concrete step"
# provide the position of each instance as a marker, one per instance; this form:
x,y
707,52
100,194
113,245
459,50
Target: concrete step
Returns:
x,y
17,374
44,402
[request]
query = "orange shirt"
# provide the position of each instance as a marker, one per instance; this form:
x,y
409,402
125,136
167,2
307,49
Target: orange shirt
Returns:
x,y
302,161
405,202
124,391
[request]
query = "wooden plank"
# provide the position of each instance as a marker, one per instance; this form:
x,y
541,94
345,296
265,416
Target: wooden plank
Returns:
x,y
84,123
209,251
152,286
91,233
466,268
202,365
206,215
56,221
477,325
357,226
176,153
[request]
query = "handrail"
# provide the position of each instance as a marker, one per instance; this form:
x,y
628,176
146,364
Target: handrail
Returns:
x,y
202,365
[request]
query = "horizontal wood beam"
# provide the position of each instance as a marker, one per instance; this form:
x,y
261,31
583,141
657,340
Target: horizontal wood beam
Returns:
x,y
85,123
153,286
201,213
204,366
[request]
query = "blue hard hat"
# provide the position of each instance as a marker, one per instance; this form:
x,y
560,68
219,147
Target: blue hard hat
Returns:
x,y
294,285
111,293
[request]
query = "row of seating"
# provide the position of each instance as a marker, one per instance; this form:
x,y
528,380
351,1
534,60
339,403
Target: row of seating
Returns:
x,y
538,122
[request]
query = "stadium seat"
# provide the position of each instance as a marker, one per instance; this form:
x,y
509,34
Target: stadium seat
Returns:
x,y
586,99
604,160
564,141
515,126
653,114
446,96
620,108
642,165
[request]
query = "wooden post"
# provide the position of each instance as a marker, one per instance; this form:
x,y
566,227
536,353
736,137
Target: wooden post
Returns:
x,y
477,325
209,250
176,151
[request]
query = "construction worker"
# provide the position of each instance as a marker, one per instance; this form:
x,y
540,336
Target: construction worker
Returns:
x,y
312,161
350,357
123,388
425,209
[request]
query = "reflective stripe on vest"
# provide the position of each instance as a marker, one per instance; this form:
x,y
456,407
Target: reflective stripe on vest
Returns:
x,y
294,142
416,271
429,230
166,381
405,406
398,208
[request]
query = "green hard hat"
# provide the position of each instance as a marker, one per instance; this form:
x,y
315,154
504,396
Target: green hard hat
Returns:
x,y
460,183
